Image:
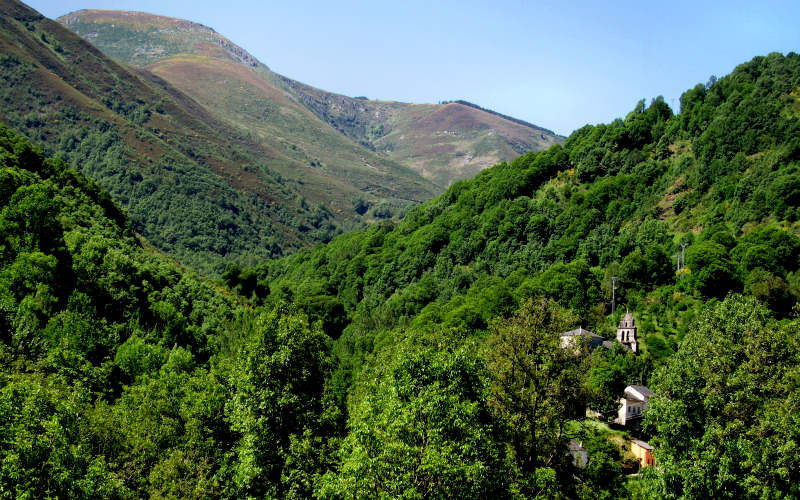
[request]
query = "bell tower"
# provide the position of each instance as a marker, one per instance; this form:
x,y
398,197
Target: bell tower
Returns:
x,y
626,333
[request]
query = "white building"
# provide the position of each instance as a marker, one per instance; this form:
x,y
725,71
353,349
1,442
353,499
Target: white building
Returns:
x,y
633,404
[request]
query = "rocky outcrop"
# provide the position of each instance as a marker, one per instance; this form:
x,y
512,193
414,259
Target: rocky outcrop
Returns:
x,y
237,53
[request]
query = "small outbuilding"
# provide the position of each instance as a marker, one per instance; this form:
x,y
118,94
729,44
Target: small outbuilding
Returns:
x,y
643,453
580,456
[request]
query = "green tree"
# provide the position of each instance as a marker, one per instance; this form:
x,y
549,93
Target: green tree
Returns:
x,y
647,269
602,477
280,382
44,452
29,222
712,272
771,290
724,413
536,388
421,426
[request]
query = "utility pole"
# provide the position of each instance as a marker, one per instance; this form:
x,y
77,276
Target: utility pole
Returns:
x,y
683,257
613,295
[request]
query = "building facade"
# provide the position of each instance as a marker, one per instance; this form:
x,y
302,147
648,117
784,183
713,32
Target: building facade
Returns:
x,y
633,404
643,453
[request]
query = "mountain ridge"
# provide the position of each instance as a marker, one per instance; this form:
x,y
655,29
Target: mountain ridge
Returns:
x,y
387,128
501,115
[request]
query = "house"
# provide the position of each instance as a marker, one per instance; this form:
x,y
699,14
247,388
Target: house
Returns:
x,y
643,453
573,337
633,404
580,457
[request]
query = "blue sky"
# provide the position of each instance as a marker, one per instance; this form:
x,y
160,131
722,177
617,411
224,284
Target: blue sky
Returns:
x,y
557,64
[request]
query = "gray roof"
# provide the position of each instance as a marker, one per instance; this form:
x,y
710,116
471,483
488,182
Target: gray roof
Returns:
x,y
575,446
580,332
642,444
639,389
643,390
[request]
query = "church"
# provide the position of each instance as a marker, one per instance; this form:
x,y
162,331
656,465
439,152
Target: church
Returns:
x,y
626,335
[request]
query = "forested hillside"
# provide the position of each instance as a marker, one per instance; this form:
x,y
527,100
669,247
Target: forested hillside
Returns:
x,y
194,185
422,359
715,186
122,375
615,200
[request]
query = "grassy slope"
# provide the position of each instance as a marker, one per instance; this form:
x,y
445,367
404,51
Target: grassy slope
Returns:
x,y
442,143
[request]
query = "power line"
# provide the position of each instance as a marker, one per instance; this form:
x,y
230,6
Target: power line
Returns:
x,y
613,294
683,257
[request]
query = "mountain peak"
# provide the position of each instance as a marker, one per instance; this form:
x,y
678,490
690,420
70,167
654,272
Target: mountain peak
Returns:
x,y
139,20
142,39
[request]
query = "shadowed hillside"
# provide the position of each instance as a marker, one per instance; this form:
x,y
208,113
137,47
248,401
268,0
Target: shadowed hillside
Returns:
x,y
196,185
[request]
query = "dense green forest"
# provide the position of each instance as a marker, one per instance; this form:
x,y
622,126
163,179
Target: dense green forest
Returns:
x,y
422,359
615,200
715,187
125,376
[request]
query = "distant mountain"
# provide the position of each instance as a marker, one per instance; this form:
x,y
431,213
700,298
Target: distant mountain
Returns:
x,y
195,184
443,143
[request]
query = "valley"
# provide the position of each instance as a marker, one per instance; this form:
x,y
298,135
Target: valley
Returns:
x,y
218,282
